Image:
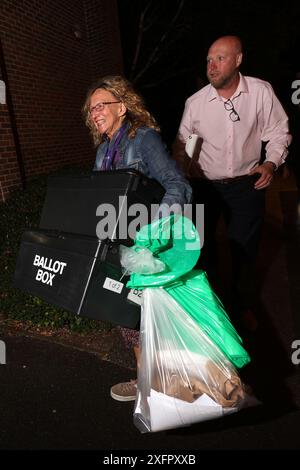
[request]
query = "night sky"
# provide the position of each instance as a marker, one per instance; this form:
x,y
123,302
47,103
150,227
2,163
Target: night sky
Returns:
x,y
270,35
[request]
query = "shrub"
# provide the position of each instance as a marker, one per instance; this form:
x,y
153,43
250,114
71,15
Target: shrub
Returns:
x,y
20,213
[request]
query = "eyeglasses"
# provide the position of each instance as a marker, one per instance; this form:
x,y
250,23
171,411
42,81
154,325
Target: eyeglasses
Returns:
x,y
100,106
228,105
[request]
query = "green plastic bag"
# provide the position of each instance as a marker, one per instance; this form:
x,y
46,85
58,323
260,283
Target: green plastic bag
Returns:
x,y
198,299
175,241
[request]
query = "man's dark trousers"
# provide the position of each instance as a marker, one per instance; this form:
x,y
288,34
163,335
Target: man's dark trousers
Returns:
x,y
243,209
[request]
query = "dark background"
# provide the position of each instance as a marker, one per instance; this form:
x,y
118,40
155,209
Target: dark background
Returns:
x,y
269,32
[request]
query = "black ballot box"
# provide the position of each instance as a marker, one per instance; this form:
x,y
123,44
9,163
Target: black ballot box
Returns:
x,y
78,273
100,204
107,290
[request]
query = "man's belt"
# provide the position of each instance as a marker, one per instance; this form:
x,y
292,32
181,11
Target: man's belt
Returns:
x,y
231,180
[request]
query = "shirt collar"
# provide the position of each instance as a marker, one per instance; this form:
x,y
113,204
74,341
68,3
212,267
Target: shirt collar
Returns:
x,y
213,94
242,87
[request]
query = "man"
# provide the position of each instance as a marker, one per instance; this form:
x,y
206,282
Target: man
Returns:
x,y
232,116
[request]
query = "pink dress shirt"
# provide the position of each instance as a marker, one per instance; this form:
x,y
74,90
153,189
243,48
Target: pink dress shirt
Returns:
x,y
233,148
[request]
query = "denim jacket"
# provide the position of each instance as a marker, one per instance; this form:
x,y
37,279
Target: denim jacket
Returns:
x,y
147,153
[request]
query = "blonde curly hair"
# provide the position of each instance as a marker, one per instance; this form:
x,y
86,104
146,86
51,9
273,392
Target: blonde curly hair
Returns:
x,y
122,89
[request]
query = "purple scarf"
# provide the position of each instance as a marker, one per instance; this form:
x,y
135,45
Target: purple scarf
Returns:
x,y
112,155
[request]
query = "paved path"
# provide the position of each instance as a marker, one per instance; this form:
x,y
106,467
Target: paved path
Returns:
x,y
56,397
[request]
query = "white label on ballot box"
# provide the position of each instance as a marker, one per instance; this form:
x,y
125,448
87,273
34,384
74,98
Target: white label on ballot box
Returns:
x,y
135,295
112,284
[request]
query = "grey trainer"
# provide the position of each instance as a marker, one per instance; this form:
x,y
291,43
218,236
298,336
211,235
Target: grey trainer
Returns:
x,y
125,391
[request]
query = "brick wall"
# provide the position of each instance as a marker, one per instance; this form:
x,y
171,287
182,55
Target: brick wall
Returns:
x,y
9,172
49,69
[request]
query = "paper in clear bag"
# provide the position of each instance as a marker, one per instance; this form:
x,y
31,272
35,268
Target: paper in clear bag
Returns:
x,y
183,377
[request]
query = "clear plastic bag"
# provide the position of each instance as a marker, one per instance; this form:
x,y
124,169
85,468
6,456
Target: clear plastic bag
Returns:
x,y
140,260
183,377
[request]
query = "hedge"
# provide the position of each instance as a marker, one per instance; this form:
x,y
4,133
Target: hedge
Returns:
x,y
20,213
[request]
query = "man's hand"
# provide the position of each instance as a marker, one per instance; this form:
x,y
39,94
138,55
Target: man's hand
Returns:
x,y
266,171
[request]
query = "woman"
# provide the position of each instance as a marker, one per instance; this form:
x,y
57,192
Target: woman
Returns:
x,y
128,136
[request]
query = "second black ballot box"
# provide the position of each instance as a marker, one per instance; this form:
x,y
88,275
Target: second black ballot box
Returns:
x,y
80,274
